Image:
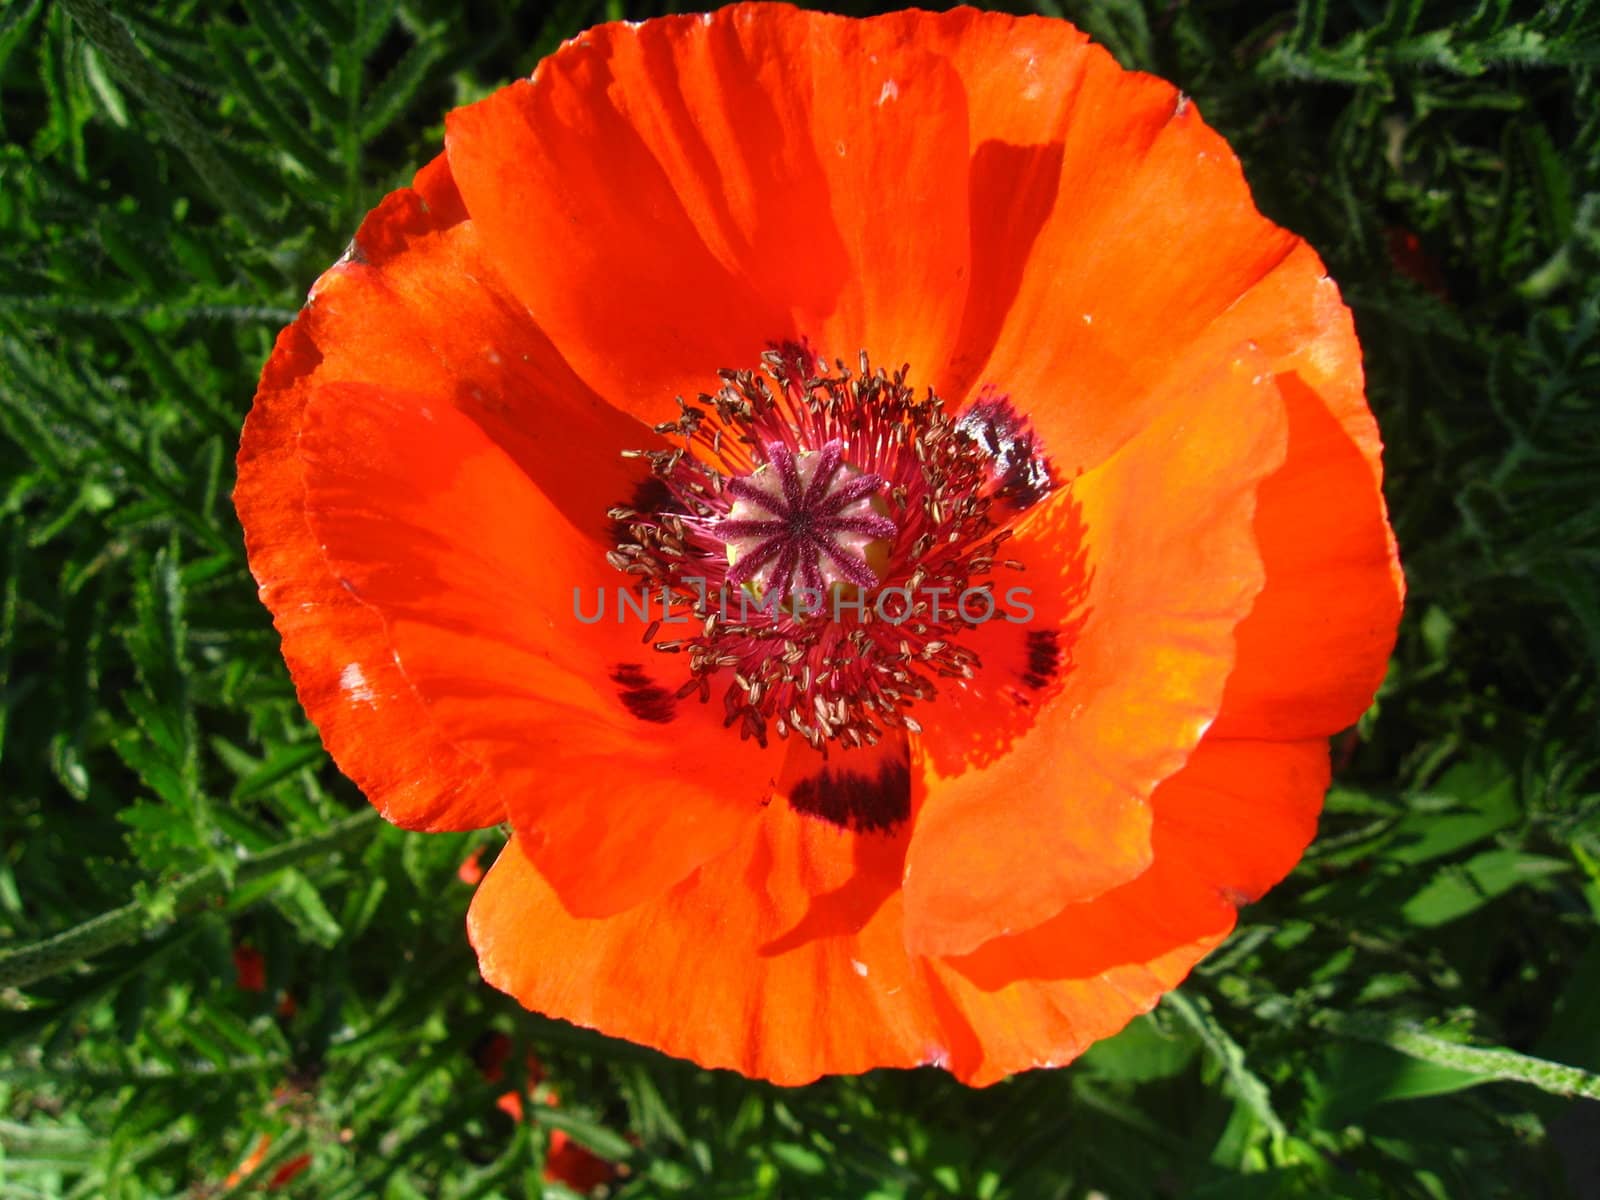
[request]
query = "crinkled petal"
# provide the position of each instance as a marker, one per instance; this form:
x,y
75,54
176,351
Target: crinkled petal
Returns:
x,y
344,672
1089,171
678,196
419,305
488,598
1004,841
994,1033
1228,826
1150,236
342,667
495,380
785,958
375,318
1334,585
782,959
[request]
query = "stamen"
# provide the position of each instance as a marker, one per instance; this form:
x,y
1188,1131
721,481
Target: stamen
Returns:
x,y
880,505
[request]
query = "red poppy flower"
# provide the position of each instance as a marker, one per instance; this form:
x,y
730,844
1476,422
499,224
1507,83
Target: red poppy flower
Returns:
x,y
249,968
286,1173
1409,258
470,872
795,842
580,1169
491,1054
282,1177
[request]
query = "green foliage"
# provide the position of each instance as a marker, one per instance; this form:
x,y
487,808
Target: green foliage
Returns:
x,y
1410,1015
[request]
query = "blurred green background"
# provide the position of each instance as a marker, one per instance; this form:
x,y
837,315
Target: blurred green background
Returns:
x,y
216,963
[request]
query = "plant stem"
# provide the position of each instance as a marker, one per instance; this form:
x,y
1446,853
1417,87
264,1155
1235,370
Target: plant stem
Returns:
x,y
52,955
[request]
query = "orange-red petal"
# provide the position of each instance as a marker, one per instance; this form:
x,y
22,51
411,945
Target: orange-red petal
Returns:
x,y
1227,827
674,197
1187,270
478,579
492,375
250,969
1334,585
375,319
714,970
1150,236
420,306
719,985
1240,813
580,1169
343,670
1182,269
1004,842
785,958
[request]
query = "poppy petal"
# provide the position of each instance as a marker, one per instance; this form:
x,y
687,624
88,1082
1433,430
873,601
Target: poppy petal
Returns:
x,y
1280,297
782,959
759,207
373,319
724,988
1027,1024
1241,813
735,984
1334,590
1004,843
476,577
1151,235
338,655
1226,828
1334,585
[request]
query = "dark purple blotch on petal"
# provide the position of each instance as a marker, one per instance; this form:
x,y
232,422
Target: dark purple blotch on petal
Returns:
x,y
641,696
874,797
1044,657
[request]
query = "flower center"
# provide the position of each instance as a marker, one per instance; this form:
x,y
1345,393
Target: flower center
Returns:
x,y
830,537
804,520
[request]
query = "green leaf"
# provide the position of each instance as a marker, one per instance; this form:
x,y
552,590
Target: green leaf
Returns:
x,y
1141,1052
142,77
23,965
297,900
1481,800
1357,1078
1456,892
284,763
399,88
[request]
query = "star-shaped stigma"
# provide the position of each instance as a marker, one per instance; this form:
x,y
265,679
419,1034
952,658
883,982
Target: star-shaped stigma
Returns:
x,y
821,523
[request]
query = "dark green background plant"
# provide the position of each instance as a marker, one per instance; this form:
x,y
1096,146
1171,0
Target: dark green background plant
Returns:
x,y
1387,1024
